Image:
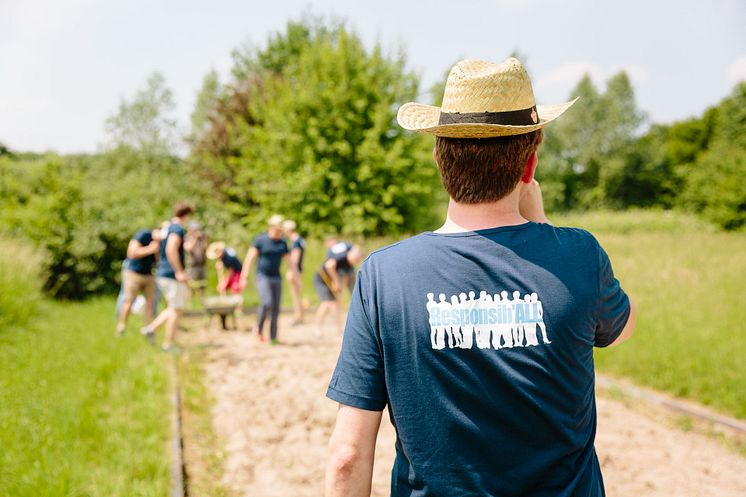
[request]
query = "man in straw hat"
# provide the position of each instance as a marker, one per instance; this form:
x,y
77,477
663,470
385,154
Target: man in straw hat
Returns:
x,y
269,249
505,406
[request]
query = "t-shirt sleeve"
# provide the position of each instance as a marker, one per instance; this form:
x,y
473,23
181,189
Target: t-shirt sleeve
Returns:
x,y
358,380
613,304
143,237
257,243
178,230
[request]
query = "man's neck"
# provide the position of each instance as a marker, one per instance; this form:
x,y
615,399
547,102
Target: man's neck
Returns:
x,y
470,217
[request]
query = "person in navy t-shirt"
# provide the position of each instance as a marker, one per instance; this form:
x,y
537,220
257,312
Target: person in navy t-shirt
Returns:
x,y
269,249
331,278
228,267
479,336
294,274
171,277
137,276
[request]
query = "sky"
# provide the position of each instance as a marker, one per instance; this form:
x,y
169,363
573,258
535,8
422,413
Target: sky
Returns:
x,y
66,64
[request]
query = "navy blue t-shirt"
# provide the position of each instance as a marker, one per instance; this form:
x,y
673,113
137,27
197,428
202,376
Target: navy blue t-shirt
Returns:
x,y
481,344
299,243
270,254
343,264
164,267
143,265
339,251
231,261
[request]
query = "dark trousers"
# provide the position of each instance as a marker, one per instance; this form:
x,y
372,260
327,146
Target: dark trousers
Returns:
x,y
270,292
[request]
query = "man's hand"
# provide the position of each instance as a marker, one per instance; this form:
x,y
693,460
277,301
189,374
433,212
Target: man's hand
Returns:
x,y
531,203
182,276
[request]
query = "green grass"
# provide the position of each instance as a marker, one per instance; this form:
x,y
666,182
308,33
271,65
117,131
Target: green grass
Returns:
x,y
82,413
204,449
689,282
19,292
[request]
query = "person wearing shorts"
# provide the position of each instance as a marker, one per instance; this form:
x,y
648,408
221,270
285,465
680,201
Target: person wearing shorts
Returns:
x,y
171,277
330,279
137,275
294,274
269,249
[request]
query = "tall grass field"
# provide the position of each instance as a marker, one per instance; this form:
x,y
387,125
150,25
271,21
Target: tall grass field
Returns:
x,y
82,413
689,282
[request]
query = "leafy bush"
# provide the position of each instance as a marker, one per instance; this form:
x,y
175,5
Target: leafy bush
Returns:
x,y
82,210
308,128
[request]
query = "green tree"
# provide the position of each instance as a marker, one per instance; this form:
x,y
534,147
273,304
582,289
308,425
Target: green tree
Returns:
x,y
316,137
582,160
207,99
145,123
716,181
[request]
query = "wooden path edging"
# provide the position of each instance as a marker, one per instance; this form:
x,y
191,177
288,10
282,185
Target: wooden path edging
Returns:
x,y
178,480
661,400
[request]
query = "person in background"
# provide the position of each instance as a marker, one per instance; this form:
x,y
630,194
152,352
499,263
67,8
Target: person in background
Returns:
x,y
171,277
137,275
346,274
226,259
269,249
330,279
294,274
195,245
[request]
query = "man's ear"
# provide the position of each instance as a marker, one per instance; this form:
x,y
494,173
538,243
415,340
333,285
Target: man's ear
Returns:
x,y
530,168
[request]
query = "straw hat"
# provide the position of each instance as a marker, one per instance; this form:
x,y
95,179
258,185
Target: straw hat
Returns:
x,y
482,99
276,221
215,249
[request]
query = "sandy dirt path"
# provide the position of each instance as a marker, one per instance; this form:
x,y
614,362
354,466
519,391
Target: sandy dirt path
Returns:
x,y
274,420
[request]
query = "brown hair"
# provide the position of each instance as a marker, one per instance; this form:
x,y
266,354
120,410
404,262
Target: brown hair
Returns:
x,y
182,209
478,170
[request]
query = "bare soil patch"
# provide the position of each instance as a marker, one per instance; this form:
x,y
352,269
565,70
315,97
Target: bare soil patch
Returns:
x,y
274,421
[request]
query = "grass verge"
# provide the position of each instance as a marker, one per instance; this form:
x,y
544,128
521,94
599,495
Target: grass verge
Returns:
x,y
81,412
203,451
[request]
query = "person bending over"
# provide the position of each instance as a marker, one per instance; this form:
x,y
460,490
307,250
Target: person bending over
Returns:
x,y
331,278
137,277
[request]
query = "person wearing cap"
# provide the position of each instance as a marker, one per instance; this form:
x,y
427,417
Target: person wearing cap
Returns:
x,y
330,279
137,275
226,259
294,274
269,249
488,411
171,277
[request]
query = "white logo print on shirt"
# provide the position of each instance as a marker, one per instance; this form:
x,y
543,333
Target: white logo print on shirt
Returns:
x,y
496,322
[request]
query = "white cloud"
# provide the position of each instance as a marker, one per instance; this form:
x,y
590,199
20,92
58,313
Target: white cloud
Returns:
x,y
43,17
737,70
569,74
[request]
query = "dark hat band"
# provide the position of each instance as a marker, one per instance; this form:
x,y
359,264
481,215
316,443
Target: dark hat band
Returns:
x,y
522,117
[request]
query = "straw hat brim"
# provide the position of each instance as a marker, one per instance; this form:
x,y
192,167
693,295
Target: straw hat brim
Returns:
x,y
213,249
424,118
